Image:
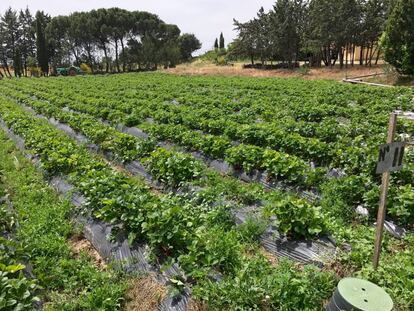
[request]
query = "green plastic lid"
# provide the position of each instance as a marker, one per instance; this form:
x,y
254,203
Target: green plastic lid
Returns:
x,y
364,295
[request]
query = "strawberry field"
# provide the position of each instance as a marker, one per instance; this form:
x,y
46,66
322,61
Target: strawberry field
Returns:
x,y
261,193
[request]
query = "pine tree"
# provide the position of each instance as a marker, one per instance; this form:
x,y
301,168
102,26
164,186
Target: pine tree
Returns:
x,y
222,41
27,42
216,46
398,39
9,36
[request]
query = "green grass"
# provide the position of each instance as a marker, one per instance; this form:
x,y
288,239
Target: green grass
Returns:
x,y
68,282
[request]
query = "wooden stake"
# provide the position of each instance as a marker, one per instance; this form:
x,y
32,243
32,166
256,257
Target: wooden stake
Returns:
x,y
383,197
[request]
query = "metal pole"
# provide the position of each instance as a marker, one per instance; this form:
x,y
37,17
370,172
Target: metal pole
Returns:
x,y
383,197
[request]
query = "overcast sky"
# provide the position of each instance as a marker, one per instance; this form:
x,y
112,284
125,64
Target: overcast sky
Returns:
x,y
205,18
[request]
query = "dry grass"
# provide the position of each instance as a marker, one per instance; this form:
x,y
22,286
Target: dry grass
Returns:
x,y
144,294
79,244
204,68
392,79
194,305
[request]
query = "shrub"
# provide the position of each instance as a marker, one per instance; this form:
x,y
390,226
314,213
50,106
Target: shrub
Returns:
x,y
252,229
85,68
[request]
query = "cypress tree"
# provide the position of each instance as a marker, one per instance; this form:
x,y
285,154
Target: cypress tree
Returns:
x,y
17,63
41,47
216,46
221,41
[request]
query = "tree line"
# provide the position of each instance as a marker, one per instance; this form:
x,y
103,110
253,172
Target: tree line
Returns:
x,y
316,31
107,40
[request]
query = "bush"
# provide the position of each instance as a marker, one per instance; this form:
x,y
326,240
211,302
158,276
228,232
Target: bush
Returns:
x,y
304,70
35,71
85,68
252,230
402,205
213,248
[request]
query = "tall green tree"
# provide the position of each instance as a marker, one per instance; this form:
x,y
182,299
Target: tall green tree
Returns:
x,y
374,16
17,63
285,30
102,33
10,36
250,40
216,45
3,51
398,39
167,40
317,30
27,41
188,44
95,38
222,44
332,27
59,41
41,45
81,30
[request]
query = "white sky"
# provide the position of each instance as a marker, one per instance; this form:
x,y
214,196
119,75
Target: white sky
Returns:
x,y
205,18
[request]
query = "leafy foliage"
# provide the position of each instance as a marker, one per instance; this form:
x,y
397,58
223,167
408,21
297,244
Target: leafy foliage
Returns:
x,y
297,218
398,37
325,126
17,292
173,169
257,286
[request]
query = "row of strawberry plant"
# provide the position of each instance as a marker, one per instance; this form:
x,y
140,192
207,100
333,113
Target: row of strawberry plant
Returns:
x,y
263,135
169,167
338,99
354,156
278,165
124,147
256,134
17,290
249,157
161,160
198,235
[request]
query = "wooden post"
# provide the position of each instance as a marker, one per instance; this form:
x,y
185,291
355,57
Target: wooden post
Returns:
x,y
383,197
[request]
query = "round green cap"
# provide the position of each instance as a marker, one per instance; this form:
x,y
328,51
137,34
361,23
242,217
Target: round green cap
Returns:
x,y
364,295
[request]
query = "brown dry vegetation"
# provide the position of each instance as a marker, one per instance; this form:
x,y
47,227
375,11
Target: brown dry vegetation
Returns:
x,y
144,294
196,306
79,244
206,68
